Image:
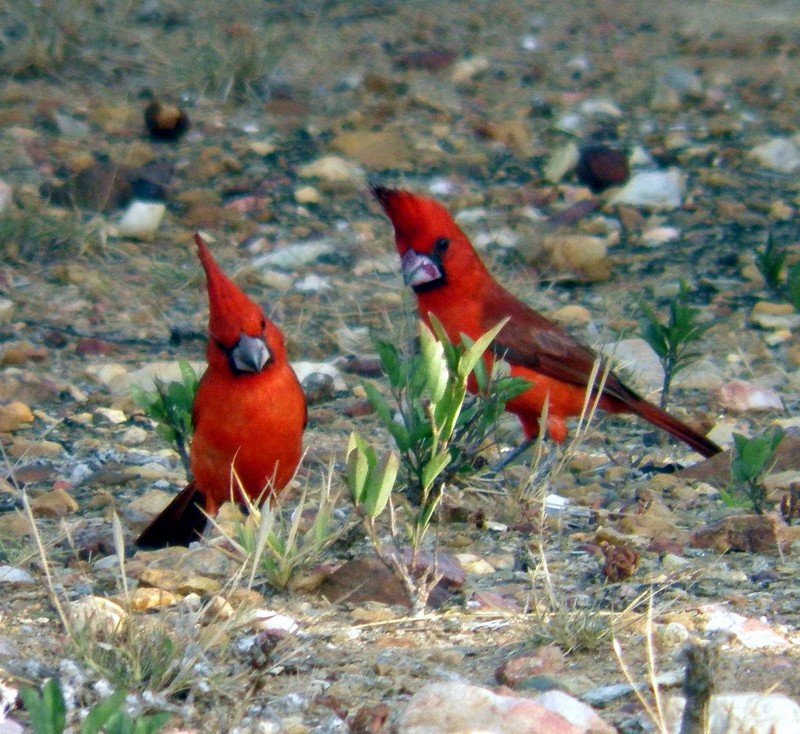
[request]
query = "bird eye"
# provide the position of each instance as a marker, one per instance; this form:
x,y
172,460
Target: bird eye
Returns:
x,y
263,324
441,245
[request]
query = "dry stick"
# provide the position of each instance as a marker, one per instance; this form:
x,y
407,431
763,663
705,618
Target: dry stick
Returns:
x,y
698,685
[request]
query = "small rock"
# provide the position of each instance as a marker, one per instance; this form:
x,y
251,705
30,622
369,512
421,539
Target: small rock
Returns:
x,y
562,160
652,190
572,315
9,575
307,195
658,236
110,415
778,154
767,534
744,397
134,436
295,256
637,358
546,660
702,375
600,167
775,316
313,283
750,633
267,620
144,599
100,615
304,370
465,70
91,347
145,508
444,708
14,416
141,220
742,713
57,503
333,169
377,150
18,353
6,310
582,254
672,636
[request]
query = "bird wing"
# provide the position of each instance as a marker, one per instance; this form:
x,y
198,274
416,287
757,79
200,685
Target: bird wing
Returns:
x,y
533,341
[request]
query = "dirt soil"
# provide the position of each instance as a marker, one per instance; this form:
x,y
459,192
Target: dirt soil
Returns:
x,y
469,102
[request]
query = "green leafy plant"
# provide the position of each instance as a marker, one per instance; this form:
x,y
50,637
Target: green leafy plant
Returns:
x,y
752,458
793,285
674,340
770,263
170,406
48,713
437,428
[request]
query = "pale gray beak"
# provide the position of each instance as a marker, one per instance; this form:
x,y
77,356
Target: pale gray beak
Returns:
x,y
418,269
250,355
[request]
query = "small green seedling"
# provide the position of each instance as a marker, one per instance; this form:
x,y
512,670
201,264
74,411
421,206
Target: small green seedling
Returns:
x,y
793,285
752,458
438,428
770,263
674,340
48,712
170,406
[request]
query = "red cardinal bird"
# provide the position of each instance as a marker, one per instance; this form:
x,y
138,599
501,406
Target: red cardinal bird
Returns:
x,y
452,284
248,415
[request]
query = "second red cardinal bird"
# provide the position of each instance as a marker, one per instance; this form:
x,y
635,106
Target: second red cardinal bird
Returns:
x,y
249,414
452,284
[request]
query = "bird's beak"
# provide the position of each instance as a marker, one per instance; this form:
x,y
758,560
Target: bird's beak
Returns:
x,y
418,269
250,354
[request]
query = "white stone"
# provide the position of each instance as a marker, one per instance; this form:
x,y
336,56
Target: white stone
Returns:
x,y
313,283
111,415
97,613
304,369
6,310
465,69
296,255
12,575
307,195
657,236
636,357
652,190
778,154
562,160
742,713
141,220
701,375
459,708
334,169
745,397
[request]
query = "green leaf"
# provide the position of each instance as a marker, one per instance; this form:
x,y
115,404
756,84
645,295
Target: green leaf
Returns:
x,y
471,356
103,712
47,710
188,375
390,361
435,364
434,468
358,467
382,488
152,724
794,285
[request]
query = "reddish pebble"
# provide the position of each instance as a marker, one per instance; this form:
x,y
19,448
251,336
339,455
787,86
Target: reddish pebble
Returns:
x,y
600,167
92,347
